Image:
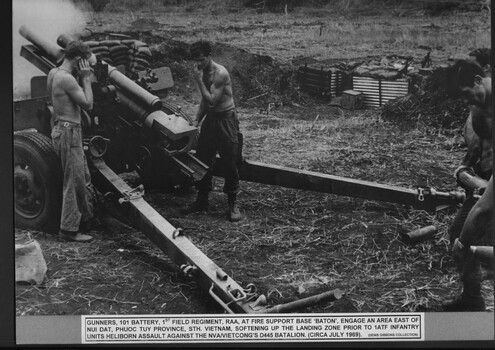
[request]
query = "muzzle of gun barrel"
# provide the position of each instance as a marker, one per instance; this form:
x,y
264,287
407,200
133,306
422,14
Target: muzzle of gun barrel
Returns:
x,y
149,101
55,52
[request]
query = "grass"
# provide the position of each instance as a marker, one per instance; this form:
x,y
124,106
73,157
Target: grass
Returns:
x,y
292,243
326,35
394,34
319,241
349,145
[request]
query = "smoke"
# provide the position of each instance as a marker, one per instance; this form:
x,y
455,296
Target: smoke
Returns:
x,y
48,18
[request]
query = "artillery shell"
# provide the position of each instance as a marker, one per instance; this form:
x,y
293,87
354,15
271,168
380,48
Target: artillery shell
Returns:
x,y
419,235
482,253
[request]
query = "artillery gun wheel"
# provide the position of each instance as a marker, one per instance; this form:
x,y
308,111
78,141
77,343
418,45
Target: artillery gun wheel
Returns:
x,y
37,182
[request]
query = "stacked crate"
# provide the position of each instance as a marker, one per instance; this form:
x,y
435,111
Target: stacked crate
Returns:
x,y
352,99
319,81
377,91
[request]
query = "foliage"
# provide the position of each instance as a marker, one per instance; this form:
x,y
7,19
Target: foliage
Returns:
x,y
428,105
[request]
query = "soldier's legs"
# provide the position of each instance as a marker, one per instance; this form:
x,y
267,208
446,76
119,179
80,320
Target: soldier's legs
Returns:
x,y
229,156
206,152
459,219
67,143
471,298
471,275
456,227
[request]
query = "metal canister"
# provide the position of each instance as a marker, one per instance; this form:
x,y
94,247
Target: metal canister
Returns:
x,y
420,235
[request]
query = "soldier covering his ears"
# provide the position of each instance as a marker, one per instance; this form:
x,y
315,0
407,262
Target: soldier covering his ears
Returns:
x,y
219,128
68,97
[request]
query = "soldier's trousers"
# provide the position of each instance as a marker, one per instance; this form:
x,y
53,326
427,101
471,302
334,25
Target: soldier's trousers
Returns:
x,y
76,204
469,267
219,133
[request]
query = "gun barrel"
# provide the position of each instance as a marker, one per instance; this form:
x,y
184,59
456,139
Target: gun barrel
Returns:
x,y
134,91
130,108
55,52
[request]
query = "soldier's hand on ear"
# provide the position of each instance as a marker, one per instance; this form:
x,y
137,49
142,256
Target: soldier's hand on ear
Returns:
x,y
198,73
84,68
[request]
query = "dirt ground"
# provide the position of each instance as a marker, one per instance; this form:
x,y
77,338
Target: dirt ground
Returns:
x,y
291,243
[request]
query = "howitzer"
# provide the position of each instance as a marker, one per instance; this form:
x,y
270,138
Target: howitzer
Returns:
x,y
131,128
141,130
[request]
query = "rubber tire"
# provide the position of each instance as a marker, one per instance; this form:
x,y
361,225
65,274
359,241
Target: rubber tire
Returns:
x,y
35,150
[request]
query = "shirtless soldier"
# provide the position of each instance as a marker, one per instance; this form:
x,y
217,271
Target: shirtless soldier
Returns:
x,y
68,97
476,217
219,130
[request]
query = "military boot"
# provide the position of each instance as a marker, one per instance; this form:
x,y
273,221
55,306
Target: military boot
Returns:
x,y
199,205
74,236
234,212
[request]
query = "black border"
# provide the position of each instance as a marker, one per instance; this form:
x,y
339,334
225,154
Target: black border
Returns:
x,y
7,269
